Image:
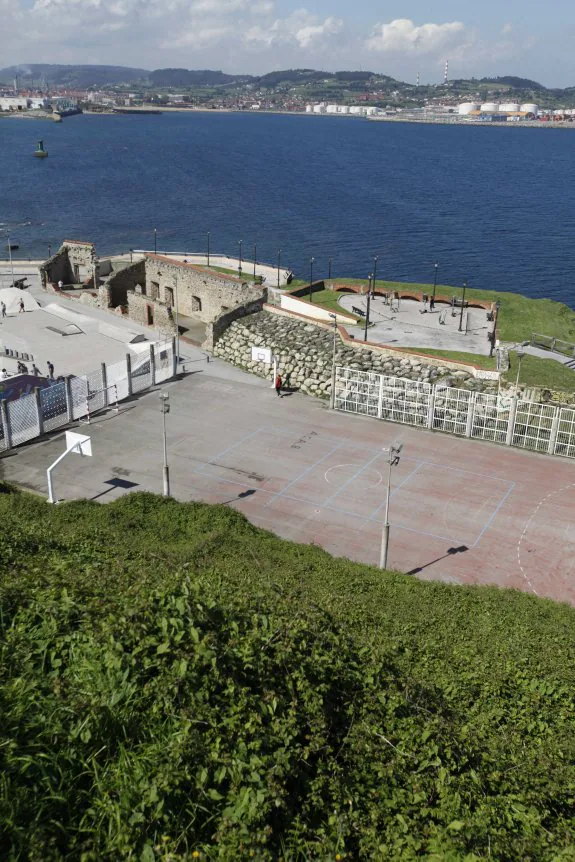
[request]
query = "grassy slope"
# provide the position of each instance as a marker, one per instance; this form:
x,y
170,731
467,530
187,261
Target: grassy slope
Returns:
x,y
477,718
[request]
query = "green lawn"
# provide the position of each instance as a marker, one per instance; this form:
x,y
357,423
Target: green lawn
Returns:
x,y
246,274
328,299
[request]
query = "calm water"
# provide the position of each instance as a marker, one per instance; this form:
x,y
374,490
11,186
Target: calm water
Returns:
x,y
494,205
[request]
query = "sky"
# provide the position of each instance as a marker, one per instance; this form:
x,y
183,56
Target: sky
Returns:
x,y
401,39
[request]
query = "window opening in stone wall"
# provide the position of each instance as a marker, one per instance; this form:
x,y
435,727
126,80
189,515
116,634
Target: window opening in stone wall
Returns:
x,y
150,315
154,290
76,273
196,303
169,296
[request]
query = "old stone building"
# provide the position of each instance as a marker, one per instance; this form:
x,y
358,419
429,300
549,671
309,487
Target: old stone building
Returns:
x,y
73,263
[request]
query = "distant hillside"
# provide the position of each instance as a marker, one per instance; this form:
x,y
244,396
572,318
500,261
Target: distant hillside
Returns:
x,y
198,78
516,83
34,74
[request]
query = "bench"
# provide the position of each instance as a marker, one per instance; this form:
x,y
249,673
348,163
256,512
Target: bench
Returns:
x,y
358,311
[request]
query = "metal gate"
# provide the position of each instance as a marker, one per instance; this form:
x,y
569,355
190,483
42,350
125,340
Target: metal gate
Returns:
x,y
490,418
452,410
533,426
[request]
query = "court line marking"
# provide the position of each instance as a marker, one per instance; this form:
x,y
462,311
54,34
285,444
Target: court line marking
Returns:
x,y
337,466
305,473
225,451
331,509
528,524
351,479
487,524
395,490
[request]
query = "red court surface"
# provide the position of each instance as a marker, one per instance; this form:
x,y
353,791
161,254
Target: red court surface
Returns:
x,y
462,511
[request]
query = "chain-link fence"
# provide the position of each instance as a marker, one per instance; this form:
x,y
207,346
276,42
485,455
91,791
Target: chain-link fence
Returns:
x,y
78,398
499,418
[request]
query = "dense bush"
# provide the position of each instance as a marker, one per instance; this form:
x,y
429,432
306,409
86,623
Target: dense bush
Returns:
x,y
175,682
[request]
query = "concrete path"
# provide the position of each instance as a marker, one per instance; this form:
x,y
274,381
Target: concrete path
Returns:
x,y
462,511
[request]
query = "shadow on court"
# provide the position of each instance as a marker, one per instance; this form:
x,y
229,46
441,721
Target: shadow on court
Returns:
x,y
450,553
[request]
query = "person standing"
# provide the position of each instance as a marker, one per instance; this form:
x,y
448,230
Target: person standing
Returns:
x,y
35,370
278,386
50,370
3,308
432,304
21,304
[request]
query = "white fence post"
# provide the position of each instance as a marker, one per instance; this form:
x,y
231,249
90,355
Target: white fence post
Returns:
x,y
129,373
69,402
431,409
38,398
511,426
470,414
152,366
6,425
380,399
105,383
554,432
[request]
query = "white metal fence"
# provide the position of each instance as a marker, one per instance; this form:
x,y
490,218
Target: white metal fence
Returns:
x,y
545,428
79,397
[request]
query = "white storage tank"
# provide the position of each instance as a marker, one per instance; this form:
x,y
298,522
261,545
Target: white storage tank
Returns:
x,y
510,107
355,109
468,108
343,109
309,109
489,108
331,109
529,108
319,109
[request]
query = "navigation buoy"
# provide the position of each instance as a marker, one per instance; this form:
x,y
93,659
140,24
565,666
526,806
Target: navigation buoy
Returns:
x,y
41,153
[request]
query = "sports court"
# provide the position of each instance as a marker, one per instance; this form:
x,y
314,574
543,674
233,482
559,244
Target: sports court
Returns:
x,y
462,511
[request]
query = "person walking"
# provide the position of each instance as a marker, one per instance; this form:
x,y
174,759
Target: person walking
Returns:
x,y
278,386
35,370
50,370
3,308
21,303
432,304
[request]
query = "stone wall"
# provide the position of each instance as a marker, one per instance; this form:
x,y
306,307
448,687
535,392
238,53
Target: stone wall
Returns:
x,y
140,307
56,268
124,280
201,293
216,329
305,355
73,263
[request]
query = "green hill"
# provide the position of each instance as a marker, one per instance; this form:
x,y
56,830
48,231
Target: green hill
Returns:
x,y
177,684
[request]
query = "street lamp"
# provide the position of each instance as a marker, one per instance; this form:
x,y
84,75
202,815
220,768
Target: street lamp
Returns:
x,y
494,332
435,268
329,270
255,258
155,241
462,307
279,264
177,321
368,306
376,258
311,263
520,353
165,403
208,248
49,249
10,256
332,398
393,454
240,260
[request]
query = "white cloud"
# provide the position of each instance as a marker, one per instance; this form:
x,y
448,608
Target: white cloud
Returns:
x,y
300,29
507,28
403,36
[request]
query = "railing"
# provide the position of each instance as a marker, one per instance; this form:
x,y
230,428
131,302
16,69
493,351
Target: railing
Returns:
x,y
547,342
502,419
77,398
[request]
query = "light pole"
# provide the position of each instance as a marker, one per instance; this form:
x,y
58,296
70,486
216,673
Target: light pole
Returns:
x,y
177,321
462,307
311,263
165,402
240,261
49,249
435,268
393,454
494,332
279,264
255,258
376,258
520,354
368,306
332,397
208,248
155,241
10,256
329,270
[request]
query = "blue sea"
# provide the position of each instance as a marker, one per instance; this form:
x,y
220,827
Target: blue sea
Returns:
x,y
495,206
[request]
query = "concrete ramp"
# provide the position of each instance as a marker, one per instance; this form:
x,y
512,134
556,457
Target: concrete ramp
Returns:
x,y
118,333
82,321
11,297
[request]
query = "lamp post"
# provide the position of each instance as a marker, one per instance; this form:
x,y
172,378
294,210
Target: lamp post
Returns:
x,y
10,256
393,454
462,306
520,354
279,264
329,270
255,258
311,263
368,306
240,260
155,241
49,249
208,248
332,397
494,332
131,255
165,402
435,268
177,321
375,259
